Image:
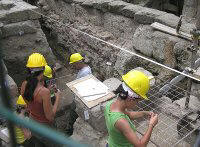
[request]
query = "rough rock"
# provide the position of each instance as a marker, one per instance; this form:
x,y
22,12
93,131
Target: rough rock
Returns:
x,y
89,3
17,11
195,88
85,134
112,83
168,19
103,5
5,70
190,8
12,86
18,48
130,10
116,6
96,115
194,103
18,29
147,16
119,26
183,56
142,40
78,1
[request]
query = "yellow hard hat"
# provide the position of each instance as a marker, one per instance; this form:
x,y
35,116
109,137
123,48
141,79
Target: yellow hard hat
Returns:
x,y
138,82
75,58
36,60
48,71
21,101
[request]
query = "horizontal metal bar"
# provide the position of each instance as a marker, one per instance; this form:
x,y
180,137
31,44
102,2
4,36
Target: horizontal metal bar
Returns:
x,y
39,129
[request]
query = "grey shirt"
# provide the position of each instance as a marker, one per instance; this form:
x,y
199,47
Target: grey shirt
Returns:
x,y
84,72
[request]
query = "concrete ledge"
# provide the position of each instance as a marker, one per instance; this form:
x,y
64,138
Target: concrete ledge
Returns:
x,y
148,16
90,3
103,5
130,10
116,6
18,29
168,19
78,1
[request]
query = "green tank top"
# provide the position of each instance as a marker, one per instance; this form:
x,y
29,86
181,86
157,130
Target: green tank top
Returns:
x,y
116,138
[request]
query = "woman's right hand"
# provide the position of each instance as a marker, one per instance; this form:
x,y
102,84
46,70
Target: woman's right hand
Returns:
x,y
153,120
58,93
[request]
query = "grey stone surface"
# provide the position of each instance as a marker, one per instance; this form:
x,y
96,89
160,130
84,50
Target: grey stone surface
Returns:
x,y
5,70
12,87
19,29
190,8
89,3
68,1
195,89
142,40
103,5
147,16
130,10
116,6
96,115
112,83
85,134
20,11
78,1
193,104
183,56
168,19
18,48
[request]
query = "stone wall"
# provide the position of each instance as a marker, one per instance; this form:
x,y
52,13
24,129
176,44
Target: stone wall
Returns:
x,y
123,24
21,36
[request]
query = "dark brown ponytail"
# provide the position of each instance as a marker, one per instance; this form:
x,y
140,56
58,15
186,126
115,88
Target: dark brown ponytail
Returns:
x,y
32,82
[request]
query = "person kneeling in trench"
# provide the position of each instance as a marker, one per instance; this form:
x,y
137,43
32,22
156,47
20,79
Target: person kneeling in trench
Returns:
x,y
121,130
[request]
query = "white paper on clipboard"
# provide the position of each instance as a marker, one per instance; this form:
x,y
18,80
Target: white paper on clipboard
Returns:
x,y
91,89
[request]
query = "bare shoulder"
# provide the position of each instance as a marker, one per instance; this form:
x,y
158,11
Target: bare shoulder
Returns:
x,y
122,125
44,90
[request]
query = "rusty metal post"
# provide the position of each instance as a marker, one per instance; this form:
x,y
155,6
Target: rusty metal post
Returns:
x,y
195,34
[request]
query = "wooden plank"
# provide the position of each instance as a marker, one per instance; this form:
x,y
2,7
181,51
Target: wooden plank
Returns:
x,y
171,31
93,103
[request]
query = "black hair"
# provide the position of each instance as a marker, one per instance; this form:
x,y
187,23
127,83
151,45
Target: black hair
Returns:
x,y
19,109
32,82
122,93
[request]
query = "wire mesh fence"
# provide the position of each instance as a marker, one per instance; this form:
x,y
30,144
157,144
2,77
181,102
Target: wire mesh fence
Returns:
x,y
176,125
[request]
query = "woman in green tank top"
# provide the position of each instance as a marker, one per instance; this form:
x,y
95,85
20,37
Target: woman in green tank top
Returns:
x,y
121,130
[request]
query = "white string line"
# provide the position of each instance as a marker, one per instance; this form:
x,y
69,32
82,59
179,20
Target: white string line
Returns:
x,y
115,46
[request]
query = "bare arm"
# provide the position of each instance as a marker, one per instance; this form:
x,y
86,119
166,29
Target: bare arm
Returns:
x,y
23,88
134,115
48,108
123,126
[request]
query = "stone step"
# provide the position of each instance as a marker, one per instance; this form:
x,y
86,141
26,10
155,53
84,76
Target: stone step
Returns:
x,y
12,11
